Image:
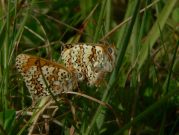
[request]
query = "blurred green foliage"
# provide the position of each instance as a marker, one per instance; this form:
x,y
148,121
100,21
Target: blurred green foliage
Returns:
x,y
143,89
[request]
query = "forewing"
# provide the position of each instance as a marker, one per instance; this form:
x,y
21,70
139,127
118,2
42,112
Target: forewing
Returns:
x,y
89,61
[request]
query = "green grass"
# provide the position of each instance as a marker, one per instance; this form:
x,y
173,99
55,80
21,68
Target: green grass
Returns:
x,y
141,95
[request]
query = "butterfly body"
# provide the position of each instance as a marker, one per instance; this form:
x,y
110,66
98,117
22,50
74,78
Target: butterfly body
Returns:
x,y
89,61
40,75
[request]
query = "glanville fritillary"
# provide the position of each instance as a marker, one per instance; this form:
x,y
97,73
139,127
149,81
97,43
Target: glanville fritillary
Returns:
x,y
39,74
90,62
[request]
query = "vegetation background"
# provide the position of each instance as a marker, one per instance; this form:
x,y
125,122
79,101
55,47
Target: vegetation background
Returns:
x,y
141,95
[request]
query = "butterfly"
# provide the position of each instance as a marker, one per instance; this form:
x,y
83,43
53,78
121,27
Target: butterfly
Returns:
x,y
42,76
90,62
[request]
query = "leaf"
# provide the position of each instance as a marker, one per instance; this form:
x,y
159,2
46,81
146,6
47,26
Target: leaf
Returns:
x,y
7,119
154,34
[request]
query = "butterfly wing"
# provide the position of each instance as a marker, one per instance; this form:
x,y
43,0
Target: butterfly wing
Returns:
x,y
89,61
40,74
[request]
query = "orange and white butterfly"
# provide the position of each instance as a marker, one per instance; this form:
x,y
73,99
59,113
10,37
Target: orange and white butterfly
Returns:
x,y
90,62
39,74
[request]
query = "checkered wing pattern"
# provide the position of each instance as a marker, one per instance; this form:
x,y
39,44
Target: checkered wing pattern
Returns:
x,y
39,74
90,62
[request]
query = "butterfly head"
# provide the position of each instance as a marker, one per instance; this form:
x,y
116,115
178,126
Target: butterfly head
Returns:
x,y
109,58
111,50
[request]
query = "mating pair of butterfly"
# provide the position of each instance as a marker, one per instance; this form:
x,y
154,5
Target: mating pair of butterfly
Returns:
x,y
82,62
